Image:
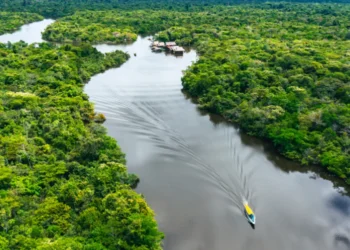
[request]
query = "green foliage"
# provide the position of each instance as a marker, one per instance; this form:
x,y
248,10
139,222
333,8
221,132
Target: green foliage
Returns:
x,y
57,165
286,80
109,26
10,22
59,8
87,31
280,71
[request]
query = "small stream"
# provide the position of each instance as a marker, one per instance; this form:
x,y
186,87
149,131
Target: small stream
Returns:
x,y
196,170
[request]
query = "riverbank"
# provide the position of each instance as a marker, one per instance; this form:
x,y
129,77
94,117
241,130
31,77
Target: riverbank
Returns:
x,y
186,159
12,21
314,171
283,85
62,178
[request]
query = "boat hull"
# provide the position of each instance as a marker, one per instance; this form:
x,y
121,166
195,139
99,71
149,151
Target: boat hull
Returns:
x,y
251,219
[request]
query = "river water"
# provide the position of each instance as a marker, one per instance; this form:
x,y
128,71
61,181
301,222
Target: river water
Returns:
x,y
196,170
30,33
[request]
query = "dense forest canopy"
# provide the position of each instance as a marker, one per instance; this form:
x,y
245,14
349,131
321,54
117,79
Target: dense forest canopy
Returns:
x,y
12,21
290,23
281,73
59,8
63,182
279,70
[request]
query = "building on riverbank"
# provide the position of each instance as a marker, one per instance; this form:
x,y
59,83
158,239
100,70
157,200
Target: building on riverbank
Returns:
x,y
177,50
170,46
154,43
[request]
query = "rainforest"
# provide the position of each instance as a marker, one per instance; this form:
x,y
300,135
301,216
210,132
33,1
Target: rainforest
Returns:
x,y
10,22
64,184
281,74
280,71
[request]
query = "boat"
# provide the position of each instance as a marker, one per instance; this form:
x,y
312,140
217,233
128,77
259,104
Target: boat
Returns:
x,y
156,49
249,214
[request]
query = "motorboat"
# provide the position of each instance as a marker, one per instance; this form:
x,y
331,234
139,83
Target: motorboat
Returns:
x,y
249,213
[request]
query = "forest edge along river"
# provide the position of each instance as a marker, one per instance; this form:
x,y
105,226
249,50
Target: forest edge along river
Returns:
x,y
197,170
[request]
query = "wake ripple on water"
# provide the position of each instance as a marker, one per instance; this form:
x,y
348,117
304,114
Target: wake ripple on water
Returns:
x,y
144,118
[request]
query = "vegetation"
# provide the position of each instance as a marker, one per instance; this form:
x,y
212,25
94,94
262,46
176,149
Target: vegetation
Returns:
x,y
63,182
99,29
60,8
108,26
56,8
10,22
279,70
284,76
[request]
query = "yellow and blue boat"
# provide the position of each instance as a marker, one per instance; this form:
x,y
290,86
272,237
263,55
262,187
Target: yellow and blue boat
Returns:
x,y
249,213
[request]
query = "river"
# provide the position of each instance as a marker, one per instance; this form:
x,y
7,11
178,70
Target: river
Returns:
x,y
30,33
196,169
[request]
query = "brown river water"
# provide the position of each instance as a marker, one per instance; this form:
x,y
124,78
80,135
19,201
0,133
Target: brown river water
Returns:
x,y
197,170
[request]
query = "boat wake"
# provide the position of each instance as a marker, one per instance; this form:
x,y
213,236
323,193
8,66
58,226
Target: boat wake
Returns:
x,y
145,119
144,109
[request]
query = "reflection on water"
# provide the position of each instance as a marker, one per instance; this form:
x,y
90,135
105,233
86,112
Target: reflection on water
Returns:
x,y
341,204
196,169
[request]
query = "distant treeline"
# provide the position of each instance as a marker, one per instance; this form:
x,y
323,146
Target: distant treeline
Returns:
x,y
59,8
